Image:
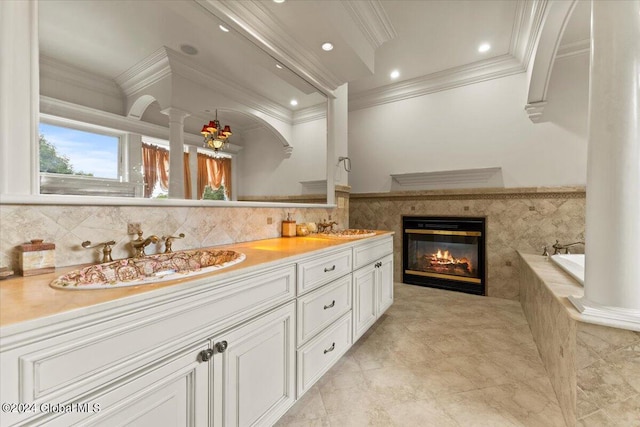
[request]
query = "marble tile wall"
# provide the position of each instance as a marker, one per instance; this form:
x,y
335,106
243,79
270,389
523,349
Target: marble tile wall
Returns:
x,y
69,225
608,376
554,332
517,219
594,370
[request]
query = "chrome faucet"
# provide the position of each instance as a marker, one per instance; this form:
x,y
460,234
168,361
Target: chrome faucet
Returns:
x,y
106,249
139,244
558,247
168,240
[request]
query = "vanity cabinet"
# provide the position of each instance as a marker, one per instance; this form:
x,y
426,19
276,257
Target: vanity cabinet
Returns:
x,y
169,392
372,284
236,350
254,370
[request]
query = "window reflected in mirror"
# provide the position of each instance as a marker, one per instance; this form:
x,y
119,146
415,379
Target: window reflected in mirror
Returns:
x,y
78,161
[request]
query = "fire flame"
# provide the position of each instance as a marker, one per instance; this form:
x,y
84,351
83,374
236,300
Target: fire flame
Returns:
x,y
444,257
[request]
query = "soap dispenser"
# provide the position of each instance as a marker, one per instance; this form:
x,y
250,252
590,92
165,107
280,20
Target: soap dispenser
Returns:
x,y
289,227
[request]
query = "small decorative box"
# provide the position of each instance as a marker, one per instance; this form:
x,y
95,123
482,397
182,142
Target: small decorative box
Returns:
x,y
37,257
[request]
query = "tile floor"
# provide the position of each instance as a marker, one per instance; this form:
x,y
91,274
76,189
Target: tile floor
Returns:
x,y
436,358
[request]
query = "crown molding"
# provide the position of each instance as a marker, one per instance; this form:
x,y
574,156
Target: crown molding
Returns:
x,y
165,62
254,21
309,114
57,70
150,70
528,18
527,27
189,69
372,20
581,47
489,69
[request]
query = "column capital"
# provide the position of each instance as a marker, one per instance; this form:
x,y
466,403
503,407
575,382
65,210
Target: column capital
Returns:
x,y
175,114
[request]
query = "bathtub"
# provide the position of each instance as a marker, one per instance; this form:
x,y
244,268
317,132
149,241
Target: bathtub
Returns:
x,y
572,264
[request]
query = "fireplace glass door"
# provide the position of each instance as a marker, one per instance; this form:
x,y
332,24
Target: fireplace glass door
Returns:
x,y
445,254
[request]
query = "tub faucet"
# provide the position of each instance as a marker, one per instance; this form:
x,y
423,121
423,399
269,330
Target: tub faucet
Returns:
x,y
139,244
558,247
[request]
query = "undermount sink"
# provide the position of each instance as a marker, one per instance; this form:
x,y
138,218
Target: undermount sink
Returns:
x,y
148,269
349,233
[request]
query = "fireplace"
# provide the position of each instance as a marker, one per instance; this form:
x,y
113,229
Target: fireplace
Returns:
x,y
444,252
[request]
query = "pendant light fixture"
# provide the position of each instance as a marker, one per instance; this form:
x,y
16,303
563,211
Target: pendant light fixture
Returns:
x,y
215,136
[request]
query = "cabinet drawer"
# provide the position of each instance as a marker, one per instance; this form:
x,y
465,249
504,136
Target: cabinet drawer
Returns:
x,y
320,308
68,367
320,270
369,252
316,357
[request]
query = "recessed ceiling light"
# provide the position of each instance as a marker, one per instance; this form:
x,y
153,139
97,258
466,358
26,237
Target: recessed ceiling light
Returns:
x,y
327,46
223,28
188,49
394,74
279,67
294,102
484,47
278,1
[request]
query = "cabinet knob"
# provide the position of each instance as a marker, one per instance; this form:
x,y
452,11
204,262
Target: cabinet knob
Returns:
x,y
333,267
333,347
205,355
221,346
330,305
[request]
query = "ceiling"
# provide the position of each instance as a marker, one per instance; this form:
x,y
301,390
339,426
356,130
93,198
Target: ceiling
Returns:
x,y
416,37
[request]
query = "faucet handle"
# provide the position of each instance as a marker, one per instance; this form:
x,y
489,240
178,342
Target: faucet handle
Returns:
x,y
545,251
168,241
106,249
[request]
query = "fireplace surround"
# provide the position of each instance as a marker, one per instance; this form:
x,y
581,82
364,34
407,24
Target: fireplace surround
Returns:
x,y
445,253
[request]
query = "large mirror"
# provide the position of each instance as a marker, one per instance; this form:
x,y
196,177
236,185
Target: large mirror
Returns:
x,y
125,85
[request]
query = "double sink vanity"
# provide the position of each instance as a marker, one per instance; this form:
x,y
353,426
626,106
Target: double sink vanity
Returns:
x,y
232,346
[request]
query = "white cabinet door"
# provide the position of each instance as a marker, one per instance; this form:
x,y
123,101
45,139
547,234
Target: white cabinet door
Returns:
x,y
174,392
385,284
254,376
365,302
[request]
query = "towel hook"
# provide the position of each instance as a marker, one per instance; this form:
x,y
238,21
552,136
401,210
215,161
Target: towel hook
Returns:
x,y
347,163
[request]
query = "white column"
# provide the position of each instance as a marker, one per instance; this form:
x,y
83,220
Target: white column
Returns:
x,y
176,151
193,169
612,281
19,97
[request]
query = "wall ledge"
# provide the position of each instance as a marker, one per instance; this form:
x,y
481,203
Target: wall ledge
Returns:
x,y
577,192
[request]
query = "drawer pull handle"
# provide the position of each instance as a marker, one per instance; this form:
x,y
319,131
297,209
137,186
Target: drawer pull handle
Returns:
x,y
330,305
205,355
333,267
333,347
221,346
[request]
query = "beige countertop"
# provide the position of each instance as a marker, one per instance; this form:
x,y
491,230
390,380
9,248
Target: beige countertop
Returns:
x,y
24,299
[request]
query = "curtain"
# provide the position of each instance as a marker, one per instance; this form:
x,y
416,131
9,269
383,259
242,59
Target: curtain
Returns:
x,y
155,164
214,173
211,171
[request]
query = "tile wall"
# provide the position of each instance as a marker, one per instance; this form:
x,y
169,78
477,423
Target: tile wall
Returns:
x,y
594,370
69,225
517,219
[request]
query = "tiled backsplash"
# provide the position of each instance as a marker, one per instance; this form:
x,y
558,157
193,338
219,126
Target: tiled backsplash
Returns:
x,y
69,225
517,219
